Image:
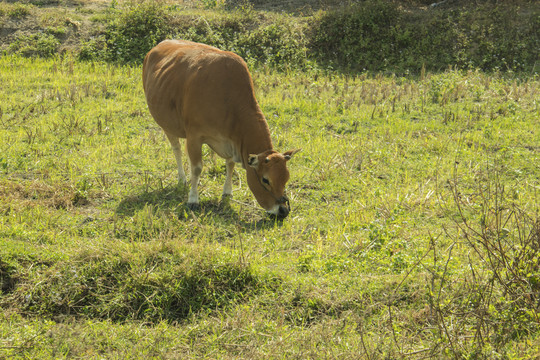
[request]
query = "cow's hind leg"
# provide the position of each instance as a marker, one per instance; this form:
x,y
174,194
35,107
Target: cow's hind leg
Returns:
x,y
175,145
194,149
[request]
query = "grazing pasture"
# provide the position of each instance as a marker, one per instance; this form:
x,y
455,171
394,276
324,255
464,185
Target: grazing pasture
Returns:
x,y
414,231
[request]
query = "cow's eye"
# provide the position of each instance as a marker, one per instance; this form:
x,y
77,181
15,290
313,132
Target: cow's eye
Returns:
x,y
265,181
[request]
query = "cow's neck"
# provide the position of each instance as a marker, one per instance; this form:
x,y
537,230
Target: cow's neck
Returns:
x,y
256,137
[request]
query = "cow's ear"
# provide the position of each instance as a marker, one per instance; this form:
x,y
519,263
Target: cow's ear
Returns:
x,y
289,154
253,161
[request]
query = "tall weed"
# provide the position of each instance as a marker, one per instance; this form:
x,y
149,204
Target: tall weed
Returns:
x,y
497,300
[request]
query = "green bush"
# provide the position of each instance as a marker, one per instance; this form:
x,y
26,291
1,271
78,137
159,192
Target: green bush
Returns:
x,y
92,49
278,45
222,32
135,30
275,42
357,37
377,35
496,38
16,11
42,45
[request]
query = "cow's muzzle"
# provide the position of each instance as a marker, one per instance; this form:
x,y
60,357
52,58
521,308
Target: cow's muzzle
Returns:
x,y
284,207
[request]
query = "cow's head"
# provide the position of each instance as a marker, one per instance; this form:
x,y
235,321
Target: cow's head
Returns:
x,y
267,175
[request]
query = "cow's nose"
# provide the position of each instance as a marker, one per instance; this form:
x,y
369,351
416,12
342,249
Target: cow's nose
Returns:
x,y
283,211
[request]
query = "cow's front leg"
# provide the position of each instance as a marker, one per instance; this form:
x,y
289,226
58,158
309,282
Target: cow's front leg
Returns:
x,y
227,187
194,149
175,145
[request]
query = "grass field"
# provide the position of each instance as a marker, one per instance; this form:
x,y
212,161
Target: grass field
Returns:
x,y
414,230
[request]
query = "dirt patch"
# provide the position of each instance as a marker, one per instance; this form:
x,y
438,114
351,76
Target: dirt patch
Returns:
x,y
59,196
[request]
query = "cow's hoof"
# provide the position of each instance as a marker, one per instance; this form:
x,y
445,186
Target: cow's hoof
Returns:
x,y
193,206
226,199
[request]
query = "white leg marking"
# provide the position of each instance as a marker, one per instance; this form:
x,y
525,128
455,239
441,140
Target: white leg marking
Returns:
x,y
227,187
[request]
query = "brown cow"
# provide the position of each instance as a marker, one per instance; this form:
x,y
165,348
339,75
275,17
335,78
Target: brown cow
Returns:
x,y
205,95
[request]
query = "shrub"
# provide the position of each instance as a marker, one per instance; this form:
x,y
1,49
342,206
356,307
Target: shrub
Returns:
x,y
131,34
501,292
14,11
358,36
496,37
221,32
92,49
278,45
269,41
58,31
18,11
377,35
42,45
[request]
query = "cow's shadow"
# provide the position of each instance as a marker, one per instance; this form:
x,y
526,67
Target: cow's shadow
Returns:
x,y
174,198
169,197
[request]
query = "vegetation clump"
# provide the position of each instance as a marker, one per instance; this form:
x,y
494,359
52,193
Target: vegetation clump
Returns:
x,y
372,35
41,44
131,33
15,11
123,289
376,35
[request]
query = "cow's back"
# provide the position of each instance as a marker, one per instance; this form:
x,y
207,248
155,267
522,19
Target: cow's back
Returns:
x,y
194,89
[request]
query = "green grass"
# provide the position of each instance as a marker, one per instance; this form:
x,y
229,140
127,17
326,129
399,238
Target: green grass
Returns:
x,y
399,184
